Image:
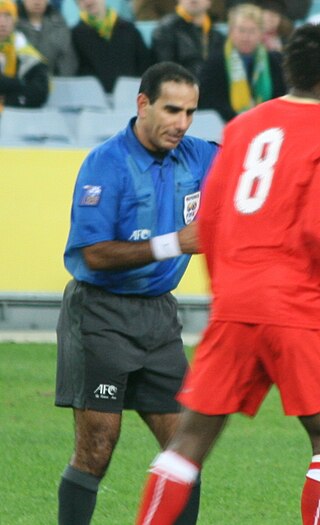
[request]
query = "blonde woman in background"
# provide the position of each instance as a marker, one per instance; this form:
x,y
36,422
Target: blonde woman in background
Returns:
x,y
243,73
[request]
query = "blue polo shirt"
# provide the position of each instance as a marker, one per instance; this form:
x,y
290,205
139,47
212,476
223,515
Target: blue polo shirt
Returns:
x,y
124,193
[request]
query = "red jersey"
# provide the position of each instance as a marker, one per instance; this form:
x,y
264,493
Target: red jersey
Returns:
x,y
259,222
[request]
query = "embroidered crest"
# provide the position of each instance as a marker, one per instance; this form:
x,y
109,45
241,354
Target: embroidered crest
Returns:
x,y
90,195
191,206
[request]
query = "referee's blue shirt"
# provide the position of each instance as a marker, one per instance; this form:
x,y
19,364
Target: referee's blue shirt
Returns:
x,y
124,193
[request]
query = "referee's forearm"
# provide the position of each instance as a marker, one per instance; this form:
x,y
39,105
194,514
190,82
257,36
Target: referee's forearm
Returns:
x,y
117,255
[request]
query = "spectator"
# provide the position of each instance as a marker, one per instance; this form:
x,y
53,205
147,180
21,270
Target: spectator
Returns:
x,y
187,36
24,78
107,45
276,26
47,31
243,73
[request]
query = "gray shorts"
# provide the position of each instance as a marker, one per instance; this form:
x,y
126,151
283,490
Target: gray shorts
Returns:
x,y
117,352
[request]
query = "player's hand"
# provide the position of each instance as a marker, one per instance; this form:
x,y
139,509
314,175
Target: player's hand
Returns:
x,y
188,238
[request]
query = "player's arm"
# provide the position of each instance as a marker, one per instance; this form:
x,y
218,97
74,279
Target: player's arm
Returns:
x,y
117,255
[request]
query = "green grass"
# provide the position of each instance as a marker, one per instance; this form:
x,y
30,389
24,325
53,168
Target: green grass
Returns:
x,y
253,477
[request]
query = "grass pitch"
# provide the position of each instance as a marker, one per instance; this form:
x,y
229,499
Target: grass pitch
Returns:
x,y
253,477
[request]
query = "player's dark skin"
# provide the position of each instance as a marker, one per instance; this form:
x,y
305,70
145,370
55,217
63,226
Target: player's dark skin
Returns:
x,y
195,445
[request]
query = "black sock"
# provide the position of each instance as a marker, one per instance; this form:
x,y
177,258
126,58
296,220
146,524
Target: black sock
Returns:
x,y
190,514
77,497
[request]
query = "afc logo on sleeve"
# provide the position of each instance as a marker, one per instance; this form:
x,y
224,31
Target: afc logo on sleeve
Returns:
x,y
191,206
90,195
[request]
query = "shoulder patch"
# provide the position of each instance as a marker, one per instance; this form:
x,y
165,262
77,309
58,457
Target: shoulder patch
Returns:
x,y
90,195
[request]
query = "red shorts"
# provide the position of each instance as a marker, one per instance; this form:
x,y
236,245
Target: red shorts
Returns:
x,y
236,363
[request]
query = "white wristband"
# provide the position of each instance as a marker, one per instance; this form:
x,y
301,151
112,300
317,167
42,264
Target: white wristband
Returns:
x,y
165,246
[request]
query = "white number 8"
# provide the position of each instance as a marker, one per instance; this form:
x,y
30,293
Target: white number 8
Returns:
x,y
261,158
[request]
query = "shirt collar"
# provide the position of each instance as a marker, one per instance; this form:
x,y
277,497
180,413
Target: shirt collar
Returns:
x,y
141,155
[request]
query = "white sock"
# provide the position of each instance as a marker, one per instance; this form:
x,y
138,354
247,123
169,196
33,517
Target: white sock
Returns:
x,y
314,468
173,466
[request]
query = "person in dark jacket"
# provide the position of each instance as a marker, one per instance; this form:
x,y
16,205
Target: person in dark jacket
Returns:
x,y
47,31
243,73
107,45
24,77
187,36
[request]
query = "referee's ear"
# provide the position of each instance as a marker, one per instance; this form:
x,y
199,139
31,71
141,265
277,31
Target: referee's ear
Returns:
x,y
143,104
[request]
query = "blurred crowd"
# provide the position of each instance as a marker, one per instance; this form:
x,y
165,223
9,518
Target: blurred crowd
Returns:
x,y
233,47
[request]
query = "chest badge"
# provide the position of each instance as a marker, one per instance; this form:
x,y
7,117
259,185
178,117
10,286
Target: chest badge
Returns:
x,y
191,206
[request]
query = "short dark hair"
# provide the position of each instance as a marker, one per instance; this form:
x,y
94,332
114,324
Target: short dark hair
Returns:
x,y
301,61
155,75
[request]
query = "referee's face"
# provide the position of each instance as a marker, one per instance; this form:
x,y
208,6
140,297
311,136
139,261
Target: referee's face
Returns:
x,y
161,126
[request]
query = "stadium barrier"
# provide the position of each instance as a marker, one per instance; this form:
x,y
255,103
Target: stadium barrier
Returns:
x,y
37,186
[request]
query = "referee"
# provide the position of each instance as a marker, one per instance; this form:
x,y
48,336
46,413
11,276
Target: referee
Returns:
x,y
131,237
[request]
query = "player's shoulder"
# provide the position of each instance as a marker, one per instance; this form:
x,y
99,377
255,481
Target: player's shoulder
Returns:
x,y
255,114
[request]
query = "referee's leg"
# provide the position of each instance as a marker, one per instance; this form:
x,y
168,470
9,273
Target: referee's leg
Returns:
x,y
96,435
